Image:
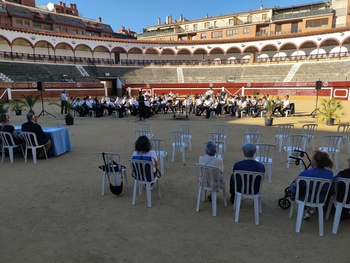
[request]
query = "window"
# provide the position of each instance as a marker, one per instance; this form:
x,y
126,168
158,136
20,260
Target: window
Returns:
x,y
317,23
264,17
215,23
19,22
246,30
195,27
26,23
48,27
262,32
36,25
231,32
278,29
216,34
172,38
75,32
203,36
88,33
64,30
250,18
81,32
58,29
294,28
186,27
230,22
206,25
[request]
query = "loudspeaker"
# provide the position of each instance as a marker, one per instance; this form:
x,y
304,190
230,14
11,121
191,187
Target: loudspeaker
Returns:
x,y
40,86
318,84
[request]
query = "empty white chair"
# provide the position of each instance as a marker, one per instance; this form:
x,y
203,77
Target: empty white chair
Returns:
x,y
265,154
7,142
218,137
32,143
187,129
344,130
309,131
253,138
332,145
219,150
143,175
111,167
146,127
178,143
252,129
159,146
283,132
148,134
311,192
340,199
210,179
294,142
222,128
248,185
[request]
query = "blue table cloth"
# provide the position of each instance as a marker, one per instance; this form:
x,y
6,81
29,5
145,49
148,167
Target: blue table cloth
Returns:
x,y
59,137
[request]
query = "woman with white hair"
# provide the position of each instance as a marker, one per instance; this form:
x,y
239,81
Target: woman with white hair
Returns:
x,y
211,160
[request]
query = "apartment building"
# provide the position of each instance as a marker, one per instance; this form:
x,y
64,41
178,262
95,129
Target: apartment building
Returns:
x,y
253,23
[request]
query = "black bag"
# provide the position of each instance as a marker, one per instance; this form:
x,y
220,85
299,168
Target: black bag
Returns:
x,y
108,167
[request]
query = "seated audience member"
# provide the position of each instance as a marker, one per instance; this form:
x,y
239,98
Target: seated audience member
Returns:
x,y
210,159
320,168
7,127
32,126
143,148
341,190
248,164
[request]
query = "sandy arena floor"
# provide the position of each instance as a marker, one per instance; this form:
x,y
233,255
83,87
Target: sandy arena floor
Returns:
x,y
53,211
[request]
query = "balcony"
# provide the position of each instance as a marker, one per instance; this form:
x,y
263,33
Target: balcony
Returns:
x,y
303,14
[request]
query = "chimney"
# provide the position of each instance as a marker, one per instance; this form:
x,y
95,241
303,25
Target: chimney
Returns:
x,y
64,4
61,3
206,16
159,22
99,19
261,7
71,6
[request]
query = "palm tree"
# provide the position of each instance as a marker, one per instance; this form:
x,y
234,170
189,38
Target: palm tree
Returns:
x,y
29,102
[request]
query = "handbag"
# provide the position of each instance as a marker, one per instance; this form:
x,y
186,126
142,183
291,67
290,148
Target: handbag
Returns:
x,y
108,167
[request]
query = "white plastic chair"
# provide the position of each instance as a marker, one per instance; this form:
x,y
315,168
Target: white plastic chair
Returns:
x,y
146,127
253,138
217,137
159,146
309,131
248,185
187,129
222,128
344,130
143,175
294,142
219,150
32,143
178,142
340,199
265,154
111,166
148,134
282,134
252,129
7,142
311,192
332,145
209,179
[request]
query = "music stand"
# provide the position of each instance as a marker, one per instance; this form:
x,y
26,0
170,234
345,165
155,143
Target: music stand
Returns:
x,y
43,111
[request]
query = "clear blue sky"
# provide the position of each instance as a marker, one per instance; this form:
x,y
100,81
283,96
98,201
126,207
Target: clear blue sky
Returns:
x,y
138,14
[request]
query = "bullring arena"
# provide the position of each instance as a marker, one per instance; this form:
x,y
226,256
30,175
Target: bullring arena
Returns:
x,y
53,211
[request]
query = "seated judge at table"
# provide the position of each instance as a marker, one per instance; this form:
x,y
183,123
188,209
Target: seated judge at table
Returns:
x,y
32,126
7,127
